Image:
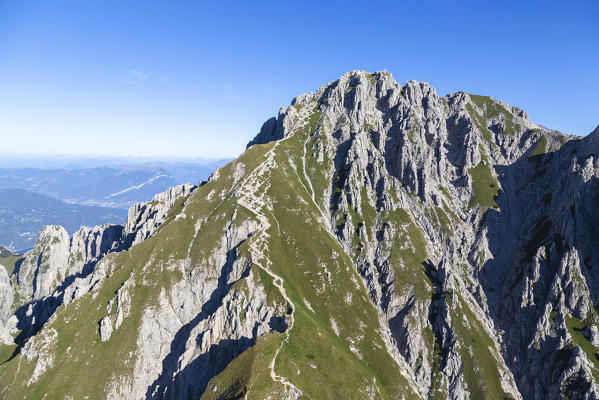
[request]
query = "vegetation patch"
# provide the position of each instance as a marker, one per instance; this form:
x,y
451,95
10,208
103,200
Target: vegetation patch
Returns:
x,y
480,122
414,129
368,127
248,374
481,369
371,78
321,273
493,109
484,185
539,234
575,327
407,252
444,190
539,150
437,215
10,262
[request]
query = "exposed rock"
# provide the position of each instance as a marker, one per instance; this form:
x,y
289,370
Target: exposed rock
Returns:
x,y
41,348
145,218
6,294
105,329
55,257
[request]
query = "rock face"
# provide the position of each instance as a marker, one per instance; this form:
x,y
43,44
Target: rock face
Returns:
x,y
56,256
374,241
6,299
144,218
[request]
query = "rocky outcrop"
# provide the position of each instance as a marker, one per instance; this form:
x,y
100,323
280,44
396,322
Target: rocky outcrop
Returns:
x,y
6,294
56,257
7,324
145,218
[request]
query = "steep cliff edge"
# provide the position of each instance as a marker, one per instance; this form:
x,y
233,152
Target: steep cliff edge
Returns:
x,y
374,241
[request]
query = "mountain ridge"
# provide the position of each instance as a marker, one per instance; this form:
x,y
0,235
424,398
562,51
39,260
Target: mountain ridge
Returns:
x,y
374,241
23,213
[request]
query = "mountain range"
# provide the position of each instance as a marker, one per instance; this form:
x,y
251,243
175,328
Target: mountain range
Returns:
x,y
375,240
31,198
108,186
23,213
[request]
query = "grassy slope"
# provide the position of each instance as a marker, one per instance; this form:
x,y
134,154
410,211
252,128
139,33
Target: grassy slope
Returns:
x,y
540,148
484,186
481,369
317,273
9,261
297,254
575,327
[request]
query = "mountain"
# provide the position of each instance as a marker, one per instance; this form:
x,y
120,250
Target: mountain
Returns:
x,y
24,213
374,241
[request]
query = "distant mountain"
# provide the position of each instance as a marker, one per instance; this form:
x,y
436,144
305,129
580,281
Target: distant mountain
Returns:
x,y
23,213
104,186
107,186
189,172
45,161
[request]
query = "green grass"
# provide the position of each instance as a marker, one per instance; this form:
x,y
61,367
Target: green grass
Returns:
x,y
493,109
323,363
408,250
372,78
9,262
449,210
484,185
438,216
480,368
79,346
248,374
480,122
6,352
540,148
575,326
539,235
314,349
368,127
415,129
444,190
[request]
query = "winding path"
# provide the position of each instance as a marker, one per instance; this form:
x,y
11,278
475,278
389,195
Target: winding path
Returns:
x,y
252,195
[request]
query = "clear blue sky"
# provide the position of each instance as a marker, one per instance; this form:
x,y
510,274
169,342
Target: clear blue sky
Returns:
x,y
199,79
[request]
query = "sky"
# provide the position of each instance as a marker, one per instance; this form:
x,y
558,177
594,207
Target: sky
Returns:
x,y
198,79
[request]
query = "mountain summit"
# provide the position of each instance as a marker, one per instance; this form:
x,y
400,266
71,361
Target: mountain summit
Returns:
x,y
374,241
